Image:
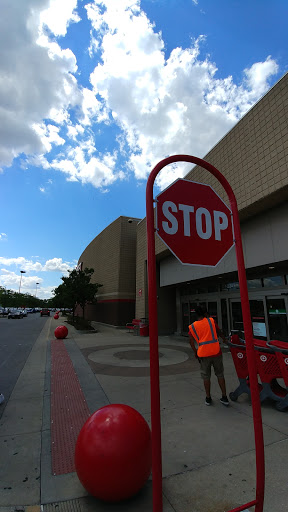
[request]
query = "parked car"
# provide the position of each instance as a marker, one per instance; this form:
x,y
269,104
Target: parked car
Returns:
x,y
15,313
45,311
24,312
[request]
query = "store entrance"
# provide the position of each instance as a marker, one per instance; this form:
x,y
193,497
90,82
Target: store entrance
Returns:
x,y
189,315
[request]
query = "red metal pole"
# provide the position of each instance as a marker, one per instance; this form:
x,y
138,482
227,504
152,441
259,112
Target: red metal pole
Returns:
x,y
153,326
154,353
244,507
256,405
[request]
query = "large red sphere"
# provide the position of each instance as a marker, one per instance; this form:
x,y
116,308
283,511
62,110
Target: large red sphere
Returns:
x,y
56,316
61,332
113,453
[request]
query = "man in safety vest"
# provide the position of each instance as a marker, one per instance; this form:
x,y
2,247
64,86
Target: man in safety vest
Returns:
x,y
208,352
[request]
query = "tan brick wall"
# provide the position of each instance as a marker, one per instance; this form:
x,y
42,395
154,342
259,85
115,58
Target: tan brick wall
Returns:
x,y
112,254
127,276
141,258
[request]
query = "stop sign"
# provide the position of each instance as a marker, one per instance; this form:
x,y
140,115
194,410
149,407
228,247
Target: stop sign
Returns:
x,y
194,222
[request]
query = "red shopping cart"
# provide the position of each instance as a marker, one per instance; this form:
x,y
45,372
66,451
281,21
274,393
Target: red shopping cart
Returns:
x,y
269,371
281,351
238,352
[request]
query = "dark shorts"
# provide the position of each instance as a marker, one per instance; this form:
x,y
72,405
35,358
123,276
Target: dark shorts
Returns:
x,y
207,362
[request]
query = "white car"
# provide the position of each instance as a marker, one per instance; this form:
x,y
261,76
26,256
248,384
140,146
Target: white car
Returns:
x,y
15,313
24,312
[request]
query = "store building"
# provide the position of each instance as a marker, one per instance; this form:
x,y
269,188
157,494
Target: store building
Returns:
x,y
112,255
253,157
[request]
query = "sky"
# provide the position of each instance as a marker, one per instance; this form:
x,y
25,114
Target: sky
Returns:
x,y
93,94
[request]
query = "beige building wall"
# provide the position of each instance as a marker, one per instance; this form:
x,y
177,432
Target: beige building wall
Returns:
x,y
112,255
253,157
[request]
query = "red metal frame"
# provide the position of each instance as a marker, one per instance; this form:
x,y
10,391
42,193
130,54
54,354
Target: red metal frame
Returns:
x,y
153,325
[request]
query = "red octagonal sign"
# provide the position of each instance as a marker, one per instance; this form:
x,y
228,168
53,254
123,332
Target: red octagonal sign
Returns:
x,y
194,222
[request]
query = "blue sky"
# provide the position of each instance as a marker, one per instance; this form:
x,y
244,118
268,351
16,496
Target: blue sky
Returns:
x,y
94,94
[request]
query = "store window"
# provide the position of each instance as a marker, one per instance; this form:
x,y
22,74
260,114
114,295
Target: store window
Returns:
x,y
185,317
193,316
202,289
258,319
277,319
237,318
230,286
253,284
212,288
212,310
224,315
273,281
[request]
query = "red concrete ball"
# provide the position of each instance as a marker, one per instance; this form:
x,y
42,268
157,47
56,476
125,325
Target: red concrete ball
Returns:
x,y
113,453
56,316
61,332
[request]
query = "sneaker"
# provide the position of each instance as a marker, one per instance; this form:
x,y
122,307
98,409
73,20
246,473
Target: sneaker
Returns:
x,y
1,398
224,400
208,400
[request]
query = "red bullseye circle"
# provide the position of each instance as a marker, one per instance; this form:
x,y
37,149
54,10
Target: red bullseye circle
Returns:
x,y
56,316
113,453
61,332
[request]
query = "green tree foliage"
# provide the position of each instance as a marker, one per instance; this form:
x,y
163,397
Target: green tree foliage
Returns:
x,y
76,289
10,299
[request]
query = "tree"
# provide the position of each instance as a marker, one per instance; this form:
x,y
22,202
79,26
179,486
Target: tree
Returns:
x,y
9,298
76,289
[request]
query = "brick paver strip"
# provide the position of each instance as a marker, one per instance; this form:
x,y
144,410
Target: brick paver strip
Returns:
x,y
69,410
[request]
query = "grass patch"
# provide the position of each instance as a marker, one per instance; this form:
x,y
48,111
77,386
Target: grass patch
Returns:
x,y
79,323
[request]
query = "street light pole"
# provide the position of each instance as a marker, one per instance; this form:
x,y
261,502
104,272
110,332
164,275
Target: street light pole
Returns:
x,y
21,272
36,290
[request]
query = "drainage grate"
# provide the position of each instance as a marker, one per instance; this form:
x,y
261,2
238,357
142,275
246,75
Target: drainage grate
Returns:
x,y
64,506
69,410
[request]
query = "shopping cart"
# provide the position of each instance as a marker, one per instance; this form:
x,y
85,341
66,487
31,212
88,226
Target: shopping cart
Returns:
x,y
237,347
281,351
269,371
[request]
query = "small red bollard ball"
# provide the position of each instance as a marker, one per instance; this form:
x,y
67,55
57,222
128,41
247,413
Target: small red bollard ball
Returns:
x,y
113,453
56,316
61,332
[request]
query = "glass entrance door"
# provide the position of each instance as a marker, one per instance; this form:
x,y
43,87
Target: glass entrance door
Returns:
x,y
277,318
258,319
236,315
185,317
257,310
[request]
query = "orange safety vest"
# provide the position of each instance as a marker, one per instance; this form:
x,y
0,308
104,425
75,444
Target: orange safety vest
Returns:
x,y
204,331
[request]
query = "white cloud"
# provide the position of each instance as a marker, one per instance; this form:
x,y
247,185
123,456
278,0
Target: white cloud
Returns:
x,y
11,281
54,264
36,77
10,277
42,189
80,164
164,106
59,15
3,237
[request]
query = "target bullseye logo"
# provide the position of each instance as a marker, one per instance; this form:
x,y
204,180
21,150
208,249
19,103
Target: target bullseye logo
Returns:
x,y
263,358
286,360
240,355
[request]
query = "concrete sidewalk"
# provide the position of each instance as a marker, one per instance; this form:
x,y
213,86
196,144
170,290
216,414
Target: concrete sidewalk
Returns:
x,y
208,452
